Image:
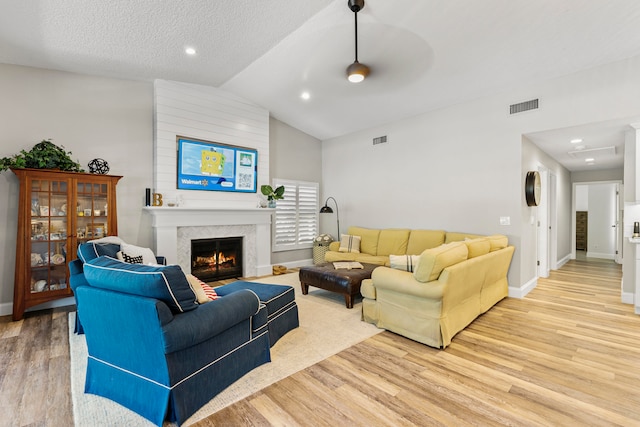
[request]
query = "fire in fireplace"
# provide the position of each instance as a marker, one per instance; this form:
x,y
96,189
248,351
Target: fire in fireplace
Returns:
x,y
217,258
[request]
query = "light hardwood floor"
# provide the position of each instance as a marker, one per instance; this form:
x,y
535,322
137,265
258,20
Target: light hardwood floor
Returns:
x,y
568,354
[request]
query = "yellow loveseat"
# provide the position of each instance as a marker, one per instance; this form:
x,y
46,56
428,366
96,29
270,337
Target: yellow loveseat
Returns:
x,y
458,276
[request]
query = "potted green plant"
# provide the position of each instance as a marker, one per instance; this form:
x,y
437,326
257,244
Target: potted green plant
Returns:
x,y
43,155
272,195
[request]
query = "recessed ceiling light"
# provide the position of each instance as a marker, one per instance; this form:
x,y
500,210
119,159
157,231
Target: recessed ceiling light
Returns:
x,y
589,159
190,51
576,141
305,95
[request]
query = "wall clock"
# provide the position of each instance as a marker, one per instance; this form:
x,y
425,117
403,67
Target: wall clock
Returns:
x,y
532,188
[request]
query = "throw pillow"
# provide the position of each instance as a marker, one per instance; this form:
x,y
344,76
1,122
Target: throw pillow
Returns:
x,y
128,258
477,247
433,261
166,283
349,243
209,291
404,262
498,241
204,292
148,257
92,250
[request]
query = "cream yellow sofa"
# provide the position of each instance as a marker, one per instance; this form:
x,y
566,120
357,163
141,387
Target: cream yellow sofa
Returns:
x,y
376,245
458,277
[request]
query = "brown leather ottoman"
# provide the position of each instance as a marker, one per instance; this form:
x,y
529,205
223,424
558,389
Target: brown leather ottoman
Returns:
x,y
342,281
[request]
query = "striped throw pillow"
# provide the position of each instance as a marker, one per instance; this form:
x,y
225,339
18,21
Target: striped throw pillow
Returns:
x,y
404,262
349,243
204,292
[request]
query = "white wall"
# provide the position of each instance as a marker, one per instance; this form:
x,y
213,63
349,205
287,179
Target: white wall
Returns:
x,y
91,117
598,175
582,197
297,156
462,167
211,114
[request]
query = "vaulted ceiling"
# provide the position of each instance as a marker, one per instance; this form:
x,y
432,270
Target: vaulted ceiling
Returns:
x,y
424,54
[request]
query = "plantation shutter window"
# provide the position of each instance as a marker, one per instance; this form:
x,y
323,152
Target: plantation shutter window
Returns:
x,y
295,222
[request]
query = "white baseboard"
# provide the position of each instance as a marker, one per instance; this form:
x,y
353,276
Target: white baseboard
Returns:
x,y
6,308
562,262
626,298
300,263
266,270
600,255
522,291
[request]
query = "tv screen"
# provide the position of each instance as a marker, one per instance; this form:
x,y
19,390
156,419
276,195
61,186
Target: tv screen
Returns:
x,y
206,165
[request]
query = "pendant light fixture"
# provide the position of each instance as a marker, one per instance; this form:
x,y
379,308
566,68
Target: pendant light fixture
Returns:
x,y
356,72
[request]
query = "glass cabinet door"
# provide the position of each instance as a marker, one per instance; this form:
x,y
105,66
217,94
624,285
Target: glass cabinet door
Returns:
x,y
91,211
49,233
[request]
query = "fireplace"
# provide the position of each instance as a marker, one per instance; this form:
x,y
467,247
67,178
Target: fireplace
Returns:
x,y
216,258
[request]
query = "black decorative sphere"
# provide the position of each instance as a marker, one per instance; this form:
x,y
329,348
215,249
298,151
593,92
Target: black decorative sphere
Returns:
x,y
99,166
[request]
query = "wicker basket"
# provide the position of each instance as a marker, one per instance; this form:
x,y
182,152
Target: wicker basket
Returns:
x,y
319,249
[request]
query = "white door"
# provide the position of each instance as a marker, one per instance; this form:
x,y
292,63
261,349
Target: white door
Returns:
x,y
542,228
619,212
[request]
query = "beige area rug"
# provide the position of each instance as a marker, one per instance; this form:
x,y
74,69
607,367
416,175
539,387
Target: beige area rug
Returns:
x,y
326,328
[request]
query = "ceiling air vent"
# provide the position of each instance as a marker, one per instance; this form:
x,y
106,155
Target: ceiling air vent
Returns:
x,y
590,152
380,140
523,106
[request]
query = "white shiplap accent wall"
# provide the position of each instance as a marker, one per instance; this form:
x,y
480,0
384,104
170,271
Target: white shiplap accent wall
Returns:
x,y
208,113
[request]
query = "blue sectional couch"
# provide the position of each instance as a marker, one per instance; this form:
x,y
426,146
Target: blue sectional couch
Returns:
x,y
152,348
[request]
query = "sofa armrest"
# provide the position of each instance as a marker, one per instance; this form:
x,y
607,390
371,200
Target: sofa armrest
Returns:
x,y
403,282
125,330
335,246
208,320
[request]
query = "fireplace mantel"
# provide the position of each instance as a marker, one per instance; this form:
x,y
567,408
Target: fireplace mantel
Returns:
x,y
167,220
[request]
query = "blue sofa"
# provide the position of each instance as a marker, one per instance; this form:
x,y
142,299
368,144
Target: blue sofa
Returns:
x,y
152,348
108,246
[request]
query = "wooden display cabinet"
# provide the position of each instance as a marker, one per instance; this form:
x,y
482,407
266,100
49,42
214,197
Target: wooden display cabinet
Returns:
x,y
56,212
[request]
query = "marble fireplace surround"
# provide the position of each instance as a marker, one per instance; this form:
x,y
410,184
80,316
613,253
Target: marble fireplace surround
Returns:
x,y
175,227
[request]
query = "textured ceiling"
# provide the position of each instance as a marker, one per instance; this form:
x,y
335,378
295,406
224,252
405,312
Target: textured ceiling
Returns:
x,y
145,39
424,54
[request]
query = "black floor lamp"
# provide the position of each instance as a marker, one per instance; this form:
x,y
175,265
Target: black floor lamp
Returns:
x,y
327,209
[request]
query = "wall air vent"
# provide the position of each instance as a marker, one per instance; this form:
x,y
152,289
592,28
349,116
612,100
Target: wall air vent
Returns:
x,y
380,140
523,106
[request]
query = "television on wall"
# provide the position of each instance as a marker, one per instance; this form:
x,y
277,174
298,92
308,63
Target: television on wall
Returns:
x,y
213,166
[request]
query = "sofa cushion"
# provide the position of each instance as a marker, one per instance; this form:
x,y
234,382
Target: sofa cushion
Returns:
x,y
349,243
419,240
478,247
333,256
459,237
368,239
498,241
393,241
166,283
91,250
404,262
433,261
372,259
